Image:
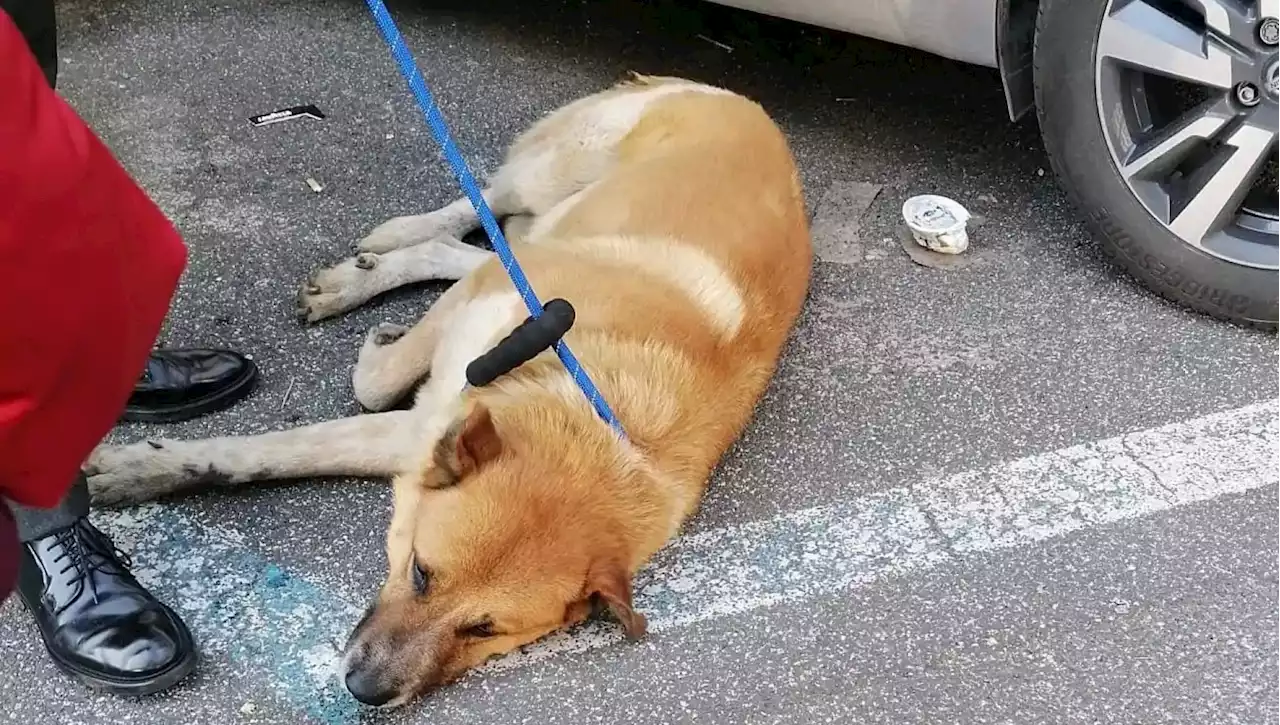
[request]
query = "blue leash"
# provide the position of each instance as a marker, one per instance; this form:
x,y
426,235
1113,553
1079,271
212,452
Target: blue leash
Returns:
x,y
467,181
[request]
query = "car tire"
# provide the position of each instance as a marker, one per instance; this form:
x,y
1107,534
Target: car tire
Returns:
x,y
1067,105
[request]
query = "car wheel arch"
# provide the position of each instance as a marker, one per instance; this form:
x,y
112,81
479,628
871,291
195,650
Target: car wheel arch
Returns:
x,y
1015,39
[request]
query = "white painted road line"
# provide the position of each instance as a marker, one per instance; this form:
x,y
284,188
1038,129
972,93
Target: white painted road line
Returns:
x,y
828,549
287,629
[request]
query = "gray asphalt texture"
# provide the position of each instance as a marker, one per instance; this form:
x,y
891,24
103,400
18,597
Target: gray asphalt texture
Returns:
x,y
897,371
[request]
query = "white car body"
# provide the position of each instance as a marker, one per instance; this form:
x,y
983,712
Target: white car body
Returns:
x,y
992,33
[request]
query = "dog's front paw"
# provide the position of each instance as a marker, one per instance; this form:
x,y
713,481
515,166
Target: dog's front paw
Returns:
x,y
336,289
383,334
370,378
136,473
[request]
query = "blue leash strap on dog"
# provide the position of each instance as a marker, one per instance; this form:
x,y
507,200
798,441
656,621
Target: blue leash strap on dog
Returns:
x,y
539,331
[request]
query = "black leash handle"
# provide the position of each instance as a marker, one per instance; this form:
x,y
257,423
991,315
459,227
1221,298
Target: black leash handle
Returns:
x,y
523,344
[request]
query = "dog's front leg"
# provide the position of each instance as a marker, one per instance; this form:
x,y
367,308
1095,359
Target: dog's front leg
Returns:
x,y
379,445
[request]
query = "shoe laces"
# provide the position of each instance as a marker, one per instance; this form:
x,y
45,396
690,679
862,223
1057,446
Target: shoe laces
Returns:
x,y
87,550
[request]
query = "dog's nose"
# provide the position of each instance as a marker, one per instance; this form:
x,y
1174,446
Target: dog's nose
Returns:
x,y
368,688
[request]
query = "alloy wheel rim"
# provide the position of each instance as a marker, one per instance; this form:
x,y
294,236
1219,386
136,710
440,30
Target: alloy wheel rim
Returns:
x,y
1187,100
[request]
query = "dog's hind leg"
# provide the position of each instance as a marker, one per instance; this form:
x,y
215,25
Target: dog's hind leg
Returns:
x,y
552,160
353,282
455,219
380,445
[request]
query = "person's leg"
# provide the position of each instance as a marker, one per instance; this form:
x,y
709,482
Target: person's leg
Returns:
x,y
37,523
98,623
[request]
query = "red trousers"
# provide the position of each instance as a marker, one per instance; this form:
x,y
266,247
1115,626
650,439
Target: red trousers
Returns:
x,y
88,267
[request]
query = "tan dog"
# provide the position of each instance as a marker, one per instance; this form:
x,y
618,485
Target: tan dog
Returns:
x,y
671,215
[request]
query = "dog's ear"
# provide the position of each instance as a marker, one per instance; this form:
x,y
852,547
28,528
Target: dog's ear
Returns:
x,y
470,442
611,582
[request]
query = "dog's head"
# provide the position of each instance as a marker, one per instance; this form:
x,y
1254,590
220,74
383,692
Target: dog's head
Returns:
x,y
493,545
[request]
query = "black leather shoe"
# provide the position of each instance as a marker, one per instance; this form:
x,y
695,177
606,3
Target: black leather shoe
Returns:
x,y
99,624
184,384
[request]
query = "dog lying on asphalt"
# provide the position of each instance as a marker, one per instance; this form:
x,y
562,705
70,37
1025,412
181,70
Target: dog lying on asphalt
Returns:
x,y
670,214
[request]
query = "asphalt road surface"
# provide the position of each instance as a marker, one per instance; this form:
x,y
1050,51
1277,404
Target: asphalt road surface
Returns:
x,y
1025,491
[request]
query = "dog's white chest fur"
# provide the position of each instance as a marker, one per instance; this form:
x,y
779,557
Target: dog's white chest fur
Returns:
x,y
469,333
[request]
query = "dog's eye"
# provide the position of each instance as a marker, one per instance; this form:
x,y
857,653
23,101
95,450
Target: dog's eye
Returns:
x,y
479,630
421,577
